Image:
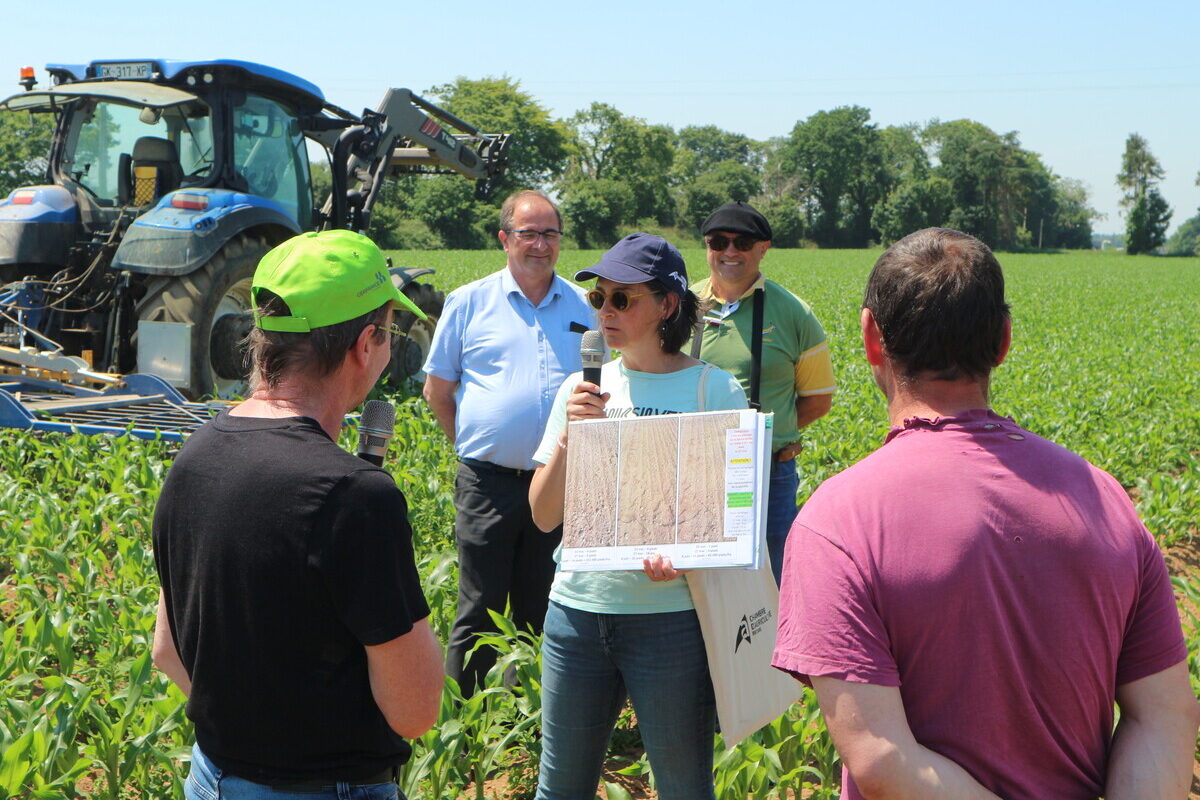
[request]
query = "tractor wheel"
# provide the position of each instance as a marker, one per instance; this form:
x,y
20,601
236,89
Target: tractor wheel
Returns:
x,y
409,352
219,289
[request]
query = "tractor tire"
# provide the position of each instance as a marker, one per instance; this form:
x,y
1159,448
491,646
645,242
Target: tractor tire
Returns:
x,y
220,287
409,352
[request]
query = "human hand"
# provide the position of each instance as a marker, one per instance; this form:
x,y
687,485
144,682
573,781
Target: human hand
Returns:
x,y
658,568
586,402
789,452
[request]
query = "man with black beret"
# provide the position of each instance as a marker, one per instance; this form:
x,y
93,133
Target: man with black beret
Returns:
x,y
796,374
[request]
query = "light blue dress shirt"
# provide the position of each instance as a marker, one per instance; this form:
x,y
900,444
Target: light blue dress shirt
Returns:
x,y
508,357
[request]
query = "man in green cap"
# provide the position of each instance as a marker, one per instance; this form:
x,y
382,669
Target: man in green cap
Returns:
x,y
291,611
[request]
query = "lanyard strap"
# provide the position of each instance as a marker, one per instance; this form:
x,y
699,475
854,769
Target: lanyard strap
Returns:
x,y
756,349
756,332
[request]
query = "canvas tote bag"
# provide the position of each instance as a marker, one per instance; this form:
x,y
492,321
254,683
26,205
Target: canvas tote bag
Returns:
x,y
739,618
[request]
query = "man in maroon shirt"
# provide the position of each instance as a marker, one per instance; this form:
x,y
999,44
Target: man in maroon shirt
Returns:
x,y
969,601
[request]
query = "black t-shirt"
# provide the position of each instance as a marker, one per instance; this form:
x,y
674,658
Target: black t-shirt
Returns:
x,y
280,556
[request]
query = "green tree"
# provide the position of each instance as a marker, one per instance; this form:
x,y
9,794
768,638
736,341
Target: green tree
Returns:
x,y
1185,241
700,148
1146,225
593,209
993,179
904,154
1073,215
447,205
1148,217
725,182
918,202
1140,170
497,105
392,230
787,222
609,145
24,149
837,158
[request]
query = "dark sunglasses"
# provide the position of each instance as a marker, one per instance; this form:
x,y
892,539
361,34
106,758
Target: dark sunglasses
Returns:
x,y
620,299
742,242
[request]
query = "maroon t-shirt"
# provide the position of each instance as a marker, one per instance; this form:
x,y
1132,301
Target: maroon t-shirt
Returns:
x,y
1002,582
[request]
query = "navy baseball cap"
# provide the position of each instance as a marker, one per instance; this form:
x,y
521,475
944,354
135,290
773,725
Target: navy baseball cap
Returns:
x,y
638,258
738,217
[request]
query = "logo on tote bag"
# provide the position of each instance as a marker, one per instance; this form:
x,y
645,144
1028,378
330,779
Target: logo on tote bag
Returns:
x,y
751,625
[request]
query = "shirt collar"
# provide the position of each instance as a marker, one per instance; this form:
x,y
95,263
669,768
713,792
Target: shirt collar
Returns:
x,y
509,284
703,289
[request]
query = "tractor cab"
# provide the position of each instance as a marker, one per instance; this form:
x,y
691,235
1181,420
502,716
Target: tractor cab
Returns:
x,y
130,133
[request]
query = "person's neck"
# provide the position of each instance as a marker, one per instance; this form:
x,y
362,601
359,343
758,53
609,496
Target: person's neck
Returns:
x,y
534,284
726,291
296,399
652,359
927,398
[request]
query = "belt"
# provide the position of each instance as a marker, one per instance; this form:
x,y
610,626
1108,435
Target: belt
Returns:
x,y
490,467
319,785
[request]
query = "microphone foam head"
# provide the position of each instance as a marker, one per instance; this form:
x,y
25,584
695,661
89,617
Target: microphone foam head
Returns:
x,y
379,416
592,341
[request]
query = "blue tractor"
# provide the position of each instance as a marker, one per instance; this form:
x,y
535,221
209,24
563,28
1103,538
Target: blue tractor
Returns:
x,y
166,182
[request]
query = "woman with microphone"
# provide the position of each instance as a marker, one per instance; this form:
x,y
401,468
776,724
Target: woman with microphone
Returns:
x,y
609,635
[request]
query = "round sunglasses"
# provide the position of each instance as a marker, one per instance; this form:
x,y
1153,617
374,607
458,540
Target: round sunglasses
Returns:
x,y
720,242
620,299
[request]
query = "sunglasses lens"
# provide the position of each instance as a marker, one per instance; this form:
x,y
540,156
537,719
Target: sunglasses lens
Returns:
x,y
618,299
742,242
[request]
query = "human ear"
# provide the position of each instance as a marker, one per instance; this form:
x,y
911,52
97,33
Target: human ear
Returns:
x,y
360,350
872,338
670,306
1005,341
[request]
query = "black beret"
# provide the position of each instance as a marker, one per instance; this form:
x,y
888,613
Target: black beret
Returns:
x,y
738,217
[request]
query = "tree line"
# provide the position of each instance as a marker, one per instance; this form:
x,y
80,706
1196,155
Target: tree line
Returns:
x,y
836,180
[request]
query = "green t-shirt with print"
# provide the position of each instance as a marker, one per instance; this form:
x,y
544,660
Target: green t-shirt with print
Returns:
x,y
795,354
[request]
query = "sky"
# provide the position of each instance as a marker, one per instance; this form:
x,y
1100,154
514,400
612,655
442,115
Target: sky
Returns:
x,y
1073,79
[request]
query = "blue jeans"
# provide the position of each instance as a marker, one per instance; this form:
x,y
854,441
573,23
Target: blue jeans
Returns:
x,y
207,781
589,663
781,511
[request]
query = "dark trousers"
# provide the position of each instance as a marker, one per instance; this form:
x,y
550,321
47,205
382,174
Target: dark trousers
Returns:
x,y
502,559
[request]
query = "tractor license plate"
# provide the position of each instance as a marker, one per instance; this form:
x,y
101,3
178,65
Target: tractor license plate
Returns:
x,y
127,70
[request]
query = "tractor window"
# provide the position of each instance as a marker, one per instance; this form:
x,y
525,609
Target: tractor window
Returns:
x,y
101,132
269,152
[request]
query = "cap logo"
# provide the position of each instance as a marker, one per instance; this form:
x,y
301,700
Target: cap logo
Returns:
x,y
678,279
379,278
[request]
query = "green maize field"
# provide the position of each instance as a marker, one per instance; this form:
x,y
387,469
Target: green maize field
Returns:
x,y
1104,360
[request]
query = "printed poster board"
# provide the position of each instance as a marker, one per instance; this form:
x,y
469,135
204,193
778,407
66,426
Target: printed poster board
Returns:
x,y
689,486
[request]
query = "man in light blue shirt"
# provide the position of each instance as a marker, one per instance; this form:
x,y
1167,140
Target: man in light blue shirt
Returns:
x,y
503,346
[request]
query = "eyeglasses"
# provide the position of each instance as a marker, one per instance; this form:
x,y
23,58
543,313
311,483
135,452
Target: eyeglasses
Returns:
x,y
742,242
619,299
391,328
529,235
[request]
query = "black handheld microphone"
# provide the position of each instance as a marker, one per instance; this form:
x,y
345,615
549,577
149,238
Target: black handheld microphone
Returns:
x,y
591,353
375,429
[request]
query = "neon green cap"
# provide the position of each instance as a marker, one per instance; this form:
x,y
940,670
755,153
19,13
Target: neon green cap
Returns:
x,y
325,278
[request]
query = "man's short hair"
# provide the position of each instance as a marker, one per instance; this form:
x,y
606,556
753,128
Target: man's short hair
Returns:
x,y
509,208
937,296
275,355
